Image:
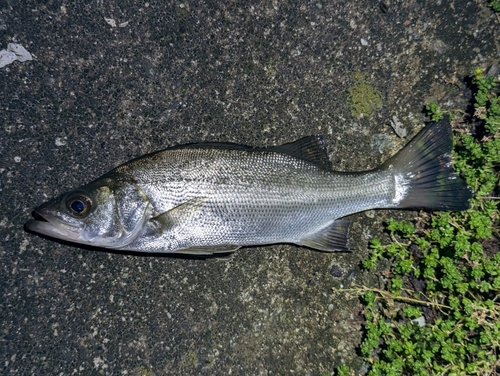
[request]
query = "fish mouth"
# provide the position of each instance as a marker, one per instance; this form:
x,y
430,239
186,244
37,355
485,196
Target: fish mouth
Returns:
x,y
46,224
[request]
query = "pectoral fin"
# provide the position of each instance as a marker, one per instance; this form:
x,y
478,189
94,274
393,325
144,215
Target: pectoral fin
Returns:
x,y
179,215
331,238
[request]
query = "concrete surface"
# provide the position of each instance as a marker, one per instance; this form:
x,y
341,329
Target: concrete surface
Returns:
x,y
111,80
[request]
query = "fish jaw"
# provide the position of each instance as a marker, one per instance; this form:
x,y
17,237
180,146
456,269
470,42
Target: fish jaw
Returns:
x,y
55,228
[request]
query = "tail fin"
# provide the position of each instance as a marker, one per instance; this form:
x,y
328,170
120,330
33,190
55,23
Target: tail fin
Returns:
x,y
423,172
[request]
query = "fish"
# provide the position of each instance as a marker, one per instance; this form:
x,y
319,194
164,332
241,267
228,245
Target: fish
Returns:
x,y
212,198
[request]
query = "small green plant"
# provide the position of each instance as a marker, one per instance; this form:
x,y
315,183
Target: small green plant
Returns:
x,y
495,4
438,311
434,111
343,371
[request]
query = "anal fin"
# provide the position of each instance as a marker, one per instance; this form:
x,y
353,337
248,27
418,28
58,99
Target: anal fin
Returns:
x,y
331,238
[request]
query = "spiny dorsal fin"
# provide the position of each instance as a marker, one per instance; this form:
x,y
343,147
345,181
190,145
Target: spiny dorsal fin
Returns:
x,y
311,149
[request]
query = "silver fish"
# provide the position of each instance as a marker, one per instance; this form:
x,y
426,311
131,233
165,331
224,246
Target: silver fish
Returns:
x,y
212,198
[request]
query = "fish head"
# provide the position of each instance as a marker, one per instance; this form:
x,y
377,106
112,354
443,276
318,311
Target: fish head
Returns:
x,y
104,213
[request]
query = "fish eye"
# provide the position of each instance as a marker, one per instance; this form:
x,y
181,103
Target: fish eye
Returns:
x,y
78,205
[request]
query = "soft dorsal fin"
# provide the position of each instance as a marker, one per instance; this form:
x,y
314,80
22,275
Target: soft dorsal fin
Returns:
x,y
310,149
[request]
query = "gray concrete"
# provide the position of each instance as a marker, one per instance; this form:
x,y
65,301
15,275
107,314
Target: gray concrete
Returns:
x,y
169,73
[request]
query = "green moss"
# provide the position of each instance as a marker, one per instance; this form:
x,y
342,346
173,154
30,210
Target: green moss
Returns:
x,y
364,99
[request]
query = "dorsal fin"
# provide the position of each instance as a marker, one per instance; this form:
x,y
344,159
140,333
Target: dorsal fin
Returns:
x,y
310,149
